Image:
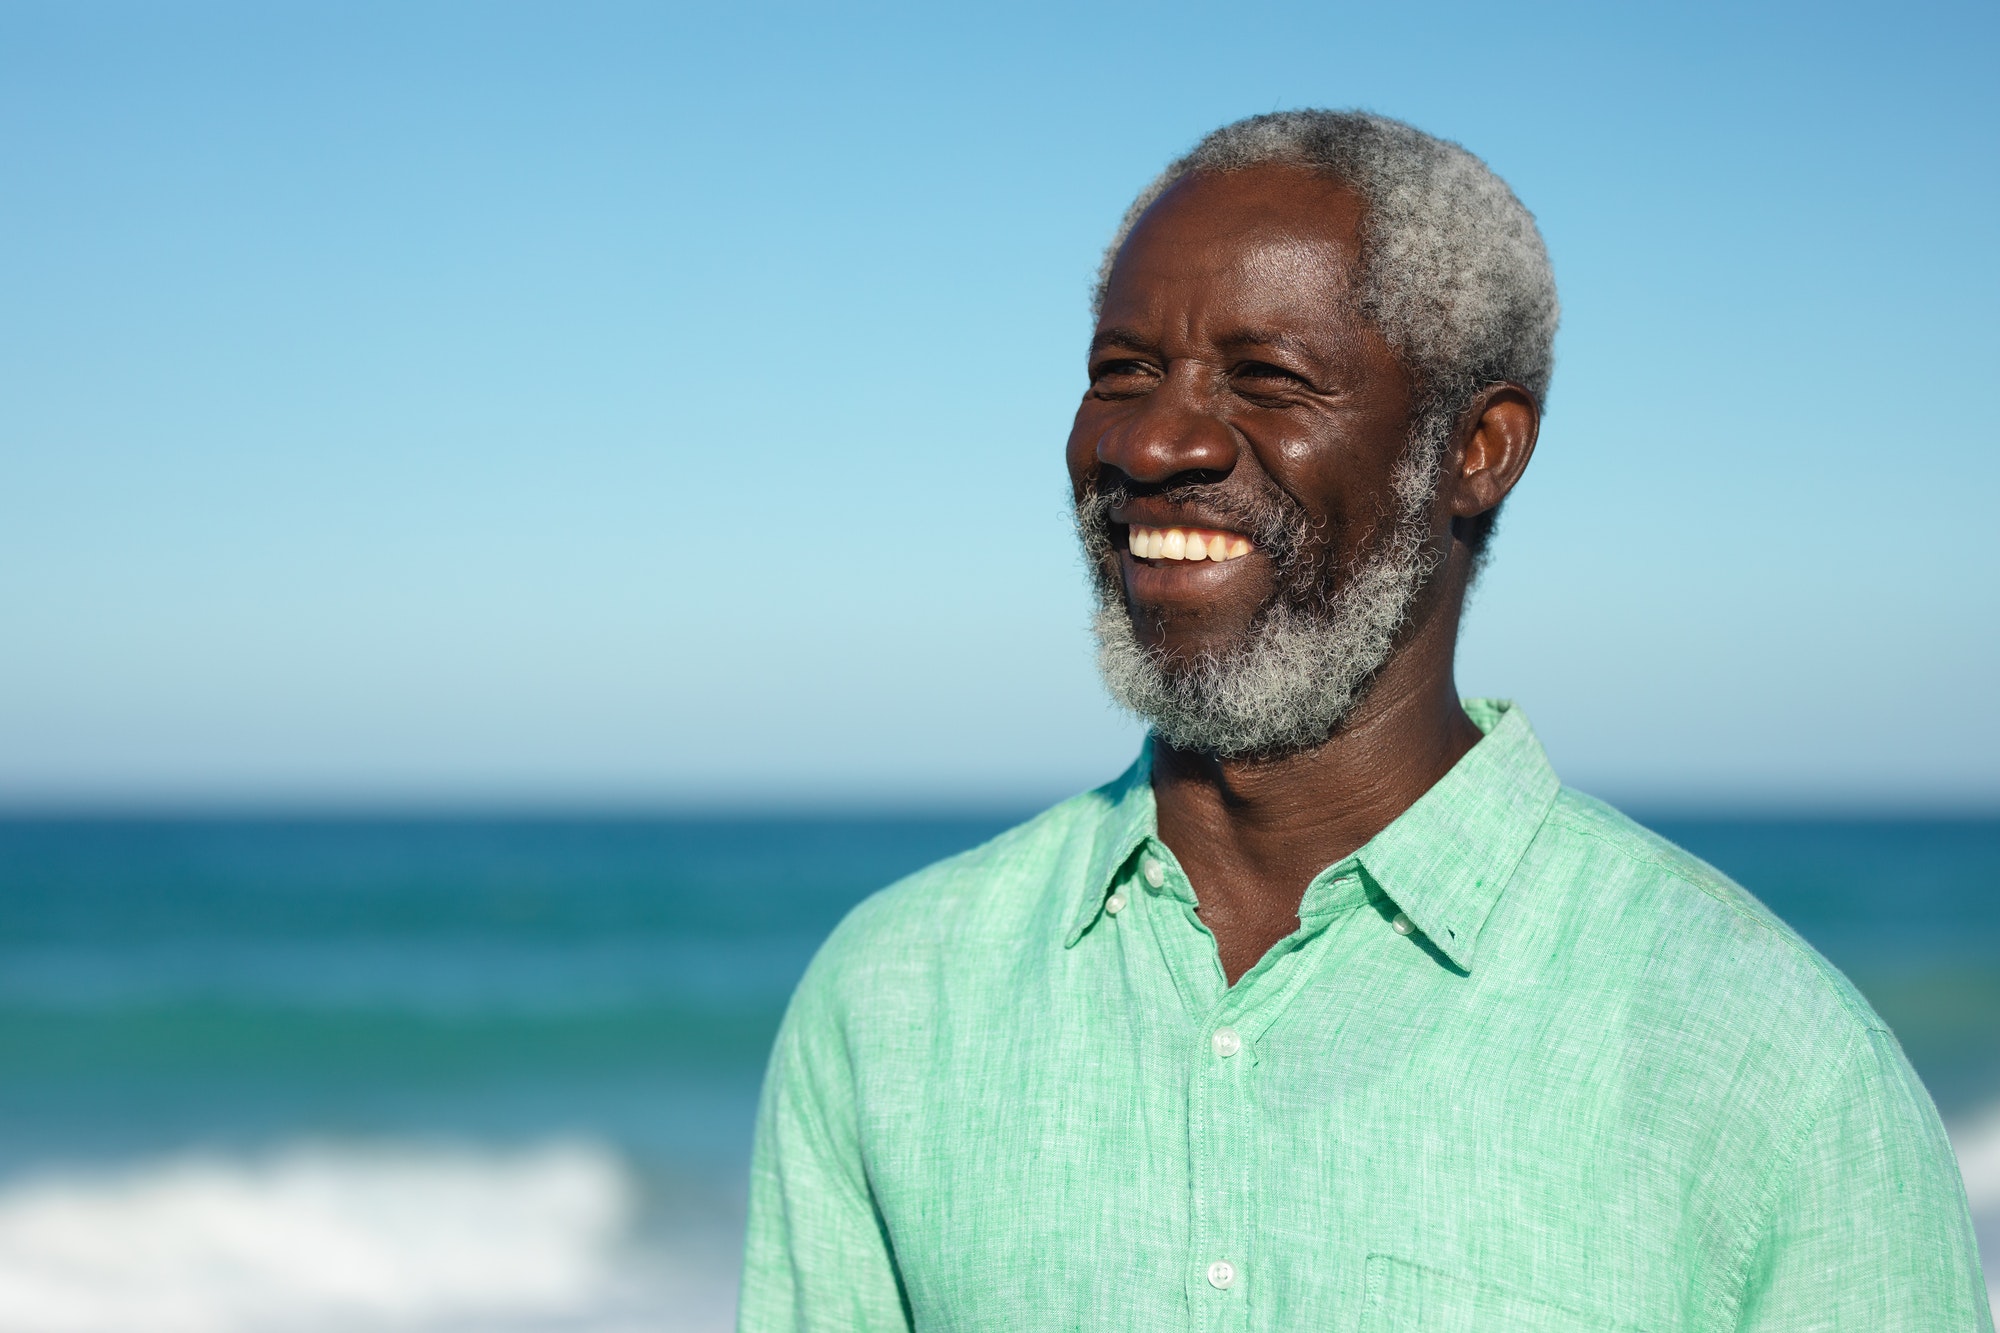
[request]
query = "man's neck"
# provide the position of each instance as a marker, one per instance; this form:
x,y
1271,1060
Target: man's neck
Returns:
x,y
1251,834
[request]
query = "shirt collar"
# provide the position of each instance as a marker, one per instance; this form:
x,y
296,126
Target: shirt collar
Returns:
x,y
1129,822
1444,861
1447,859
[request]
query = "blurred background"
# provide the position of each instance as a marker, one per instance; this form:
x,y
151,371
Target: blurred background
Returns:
x,y
514,517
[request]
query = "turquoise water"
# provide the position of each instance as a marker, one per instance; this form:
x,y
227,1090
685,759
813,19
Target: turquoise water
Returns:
x,y
579,1009
247,979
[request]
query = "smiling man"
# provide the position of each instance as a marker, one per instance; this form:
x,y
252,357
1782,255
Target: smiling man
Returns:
x,y
1337,1010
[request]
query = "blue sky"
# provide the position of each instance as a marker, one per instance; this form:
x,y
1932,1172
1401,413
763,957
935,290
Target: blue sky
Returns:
x,y
568,404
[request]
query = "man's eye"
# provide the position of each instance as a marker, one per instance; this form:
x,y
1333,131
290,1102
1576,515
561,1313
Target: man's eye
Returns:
x,y
1120,374
1265,374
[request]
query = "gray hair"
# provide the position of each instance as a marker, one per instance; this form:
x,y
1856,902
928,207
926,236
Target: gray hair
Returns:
x,y
1453,270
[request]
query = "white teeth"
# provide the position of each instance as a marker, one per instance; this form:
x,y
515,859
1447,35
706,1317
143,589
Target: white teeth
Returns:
x,y
1185,544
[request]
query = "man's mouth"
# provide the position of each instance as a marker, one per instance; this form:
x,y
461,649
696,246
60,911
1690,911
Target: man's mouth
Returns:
x,y
1185,543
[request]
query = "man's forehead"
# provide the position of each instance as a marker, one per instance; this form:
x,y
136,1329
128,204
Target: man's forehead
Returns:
x,y
1265,238
1252,206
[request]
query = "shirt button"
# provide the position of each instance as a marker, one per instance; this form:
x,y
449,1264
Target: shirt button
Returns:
x,y
1156,874
1403,924
1221,1275
1227,1043
1115,904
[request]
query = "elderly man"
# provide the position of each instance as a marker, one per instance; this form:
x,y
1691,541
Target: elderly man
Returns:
x,y
1337,1010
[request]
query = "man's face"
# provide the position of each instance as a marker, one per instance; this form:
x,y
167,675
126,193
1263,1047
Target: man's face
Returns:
x,y
1240,405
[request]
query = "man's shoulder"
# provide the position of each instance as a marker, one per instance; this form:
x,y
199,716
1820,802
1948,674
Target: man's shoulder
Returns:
x,y
988,899
1664,918
1593,831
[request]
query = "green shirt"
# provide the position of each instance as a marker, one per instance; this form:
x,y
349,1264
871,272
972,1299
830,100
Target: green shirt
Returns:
x,y
1523,1065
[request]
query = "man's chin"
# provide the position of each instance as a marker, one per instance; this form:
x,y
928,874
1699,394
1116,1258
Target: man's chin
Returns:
x,y
1201,607
1281,684
1178,636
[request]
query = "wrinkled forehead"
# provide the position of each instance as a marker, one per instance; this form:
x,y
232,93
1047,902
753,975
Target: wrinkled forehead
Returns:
x,y
1262,243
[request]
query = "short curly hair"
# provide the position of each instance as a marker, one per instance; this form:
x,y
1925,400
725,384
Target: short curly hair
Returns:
x,y
1454,272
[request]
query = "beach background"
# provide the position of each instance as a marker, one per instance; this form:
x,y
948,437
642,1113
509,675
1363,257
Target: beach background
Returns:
x,y
514,517
499,1074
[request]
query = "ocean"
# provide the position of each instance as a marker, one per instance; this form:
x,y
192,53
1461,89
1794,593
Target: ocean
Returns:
x,y
443,1075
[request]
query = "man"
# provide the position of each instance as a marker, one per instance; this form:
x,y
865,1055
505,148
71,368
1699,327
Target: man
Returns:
x,y
1337,1010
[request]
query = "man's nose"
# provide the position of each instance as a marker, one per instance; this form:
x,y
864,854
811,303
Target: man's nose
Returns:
x,y
1169,433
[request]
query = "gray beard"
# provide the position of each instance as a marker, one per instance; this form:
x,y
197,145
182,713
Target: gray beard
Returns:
x,y
1307,658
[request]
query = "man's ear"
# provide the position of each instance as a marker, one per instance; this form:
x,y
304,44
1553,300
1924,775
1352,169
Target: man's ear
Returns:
x,y
1496,439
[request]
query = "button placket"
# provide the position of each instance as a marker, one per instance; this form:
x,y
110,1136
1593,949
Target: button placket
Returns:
x,y
1240,1031
1224,1167
1225,1129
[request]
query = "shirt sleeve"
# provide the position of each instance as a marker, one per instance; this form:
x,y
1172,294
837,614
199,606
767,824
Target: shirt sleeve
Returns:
x,y
816,1256
1869,1230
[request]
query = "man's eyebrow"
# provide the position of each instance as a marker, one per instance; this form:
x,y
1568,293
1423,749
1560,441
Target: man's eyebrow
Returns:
x,y
1115,337
1274,338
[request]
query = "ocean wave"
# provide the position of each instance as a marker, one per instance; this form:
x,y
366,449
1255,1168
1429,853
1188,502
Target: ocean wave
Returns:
x,y
316,1238
420,1238
1976,1141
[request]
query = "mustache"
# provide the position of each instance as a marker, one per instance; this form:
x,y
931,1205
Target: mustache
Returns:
x,y
1278,525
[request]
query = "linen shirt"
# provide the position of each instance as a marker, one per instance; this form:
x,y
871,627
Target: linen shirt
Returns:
x,y
1523,1065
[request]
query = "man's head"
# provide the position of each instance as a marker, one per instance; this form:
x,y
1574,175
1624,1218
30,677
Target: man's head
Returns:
x,y
1322,346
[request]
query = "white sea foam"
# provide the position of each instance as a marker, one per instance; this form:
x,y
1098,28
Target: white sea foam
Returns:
x,y
312,1239
1977,1143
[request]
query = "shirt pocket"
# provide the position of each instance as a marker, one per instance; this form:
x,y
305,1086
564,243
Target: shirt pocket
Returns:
x,y
1402,1297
